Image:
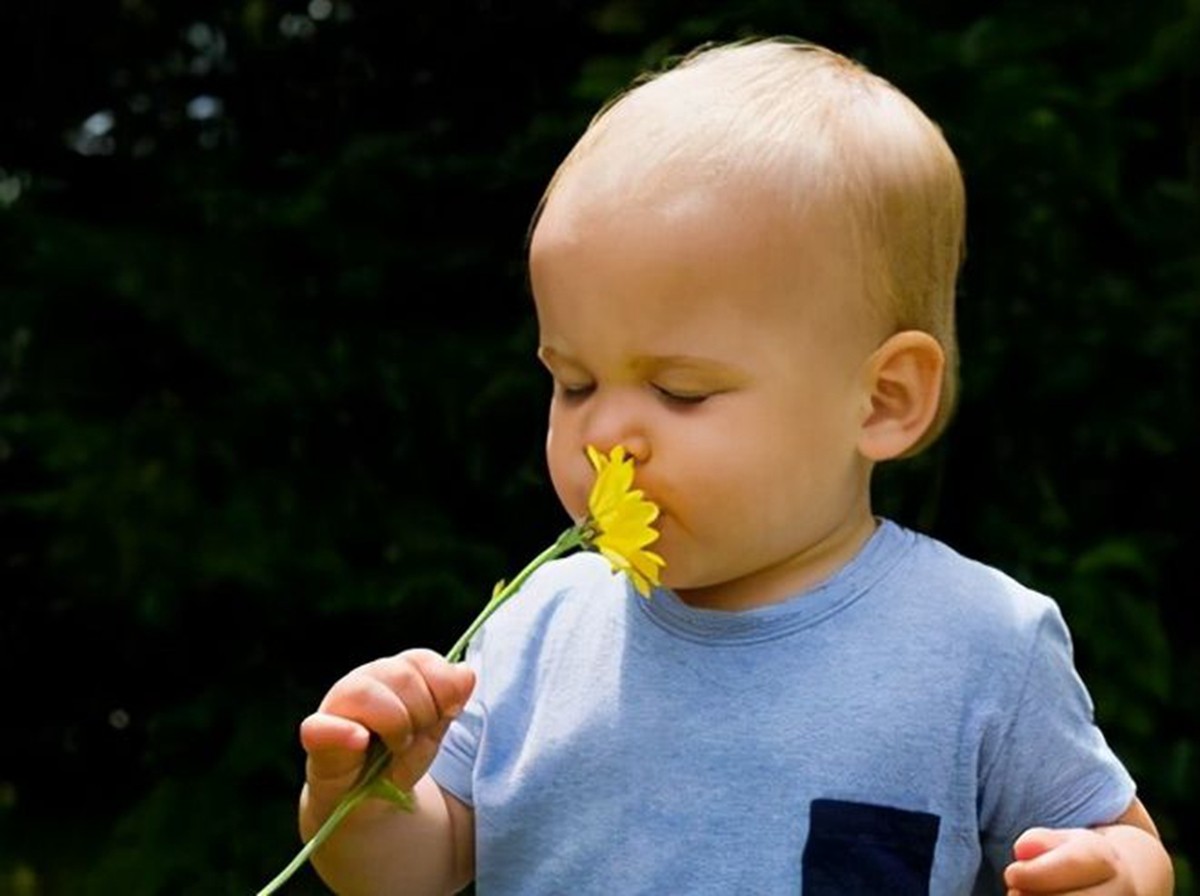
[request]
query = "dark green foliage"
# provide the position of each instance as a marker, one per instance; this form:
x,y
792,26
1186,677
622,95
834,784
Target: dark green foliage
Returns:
x,y
268,406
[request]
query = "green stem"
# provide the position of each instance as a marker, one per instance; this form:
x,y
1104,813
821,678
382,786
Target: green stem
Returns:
x,y
348,803
378,756
571,538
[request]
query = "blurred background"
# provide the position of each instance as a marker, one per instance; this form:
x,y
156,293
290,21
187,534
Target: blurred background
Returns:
x,y
269,406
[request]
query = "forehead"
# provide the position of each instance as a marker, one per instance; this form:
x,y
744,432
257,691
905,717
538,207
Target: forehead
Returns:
x,y
672,229
671,258
658,141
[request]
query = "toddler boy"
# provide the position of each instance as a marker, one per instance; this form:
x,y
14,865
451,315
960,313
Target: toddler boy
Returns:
x,y
744,273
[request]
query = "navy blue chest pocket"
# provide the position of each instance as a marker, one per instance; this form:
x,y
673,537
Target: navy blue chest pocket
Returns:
x,y
860,849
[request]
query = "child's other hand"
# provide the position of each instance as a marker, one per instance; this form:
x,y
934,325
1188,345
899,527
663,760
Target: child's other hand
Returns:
x,y
1074,860
408,700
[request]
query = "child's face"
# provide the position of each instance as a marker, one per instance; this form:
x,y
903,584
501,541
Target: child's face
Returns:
x,y
726,355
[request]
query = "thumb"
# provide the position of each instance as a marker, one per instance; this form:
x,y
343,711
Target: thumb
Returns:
x,y
450,684
1037,841
462,683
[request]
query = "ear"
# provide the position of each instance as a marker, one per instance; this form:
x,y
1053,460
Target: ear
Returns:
x,y
902,388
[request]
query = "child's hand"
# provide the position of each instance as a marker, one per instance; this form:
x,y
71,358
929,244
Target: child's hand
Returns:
x,y
408,700
1071,860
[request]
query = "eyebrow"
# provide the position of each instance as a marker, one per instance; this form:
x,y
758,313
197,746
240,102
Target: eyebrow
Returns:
x,y
645,364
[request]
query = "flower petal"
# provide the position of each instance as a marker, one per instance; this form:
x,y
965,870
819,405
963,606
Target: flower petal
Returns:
x,y
620,518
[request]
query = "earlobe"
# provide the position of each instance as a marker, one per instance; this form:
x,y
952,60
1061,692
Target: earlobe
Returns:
x,y
903,384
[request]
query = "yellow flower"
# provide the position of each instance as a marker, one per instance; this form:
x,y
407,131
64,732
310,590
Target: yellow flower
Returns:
x,y
619,519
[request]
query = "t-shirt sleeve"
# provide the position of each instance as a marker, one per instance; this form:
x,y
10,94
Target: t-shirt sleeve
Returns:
x,y
500,656
1050,765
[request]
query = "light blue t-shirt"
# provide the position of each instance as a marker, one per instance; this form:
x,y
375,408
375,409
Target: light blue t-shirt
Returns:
x,y
890,731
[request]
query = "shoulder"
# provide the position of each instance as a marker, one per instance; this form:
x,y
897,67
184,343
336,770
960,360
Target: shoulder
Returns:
x,y
560,596
980,626
568,613
973,599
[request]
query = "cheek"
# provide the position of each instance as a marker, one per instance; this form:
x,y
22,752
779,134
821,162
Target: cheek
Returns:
x,y
737,475
566,476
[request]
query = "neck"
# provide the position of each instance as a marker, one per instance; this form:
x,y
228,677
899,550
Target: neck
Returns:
x,y
795,574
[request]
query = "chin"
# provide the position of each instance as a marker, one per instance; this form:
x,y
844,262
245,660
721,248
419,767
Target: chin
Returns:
x,y
675,578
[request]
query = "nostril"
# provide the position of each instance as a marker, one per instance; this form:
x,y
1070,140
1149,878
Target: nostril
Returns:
x,y
638,448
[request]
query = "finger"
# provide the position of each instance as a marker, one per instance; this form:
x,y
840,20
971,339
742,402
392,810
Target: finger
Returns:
x,y
1036,841
449,684
411,765
368,697
402,696
335,745
434,692
430,688
1103,889
1058,861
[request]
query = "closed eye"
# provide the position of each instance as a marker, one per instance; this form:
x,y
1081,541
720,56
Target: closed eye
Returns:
x,y
572,393
685,398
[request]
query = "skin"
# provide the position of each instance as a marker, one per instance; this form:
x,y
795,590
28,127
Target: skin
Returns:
x,y
713,341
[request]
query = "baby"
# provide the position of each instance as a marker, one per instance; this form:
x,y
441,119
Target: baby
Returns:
x,y
744,274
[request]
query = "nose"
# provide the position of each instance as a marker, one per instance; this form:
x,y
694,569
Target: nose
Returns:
x,y
636,446
616,422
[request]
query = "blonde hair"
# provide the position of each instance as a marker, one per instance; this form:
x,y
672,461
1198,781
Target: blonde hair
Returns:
x,y
828,132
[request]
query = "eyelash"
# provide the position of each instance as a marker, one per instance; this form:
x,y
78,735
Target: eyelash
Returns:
x,y
579,393
575,393
676,398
